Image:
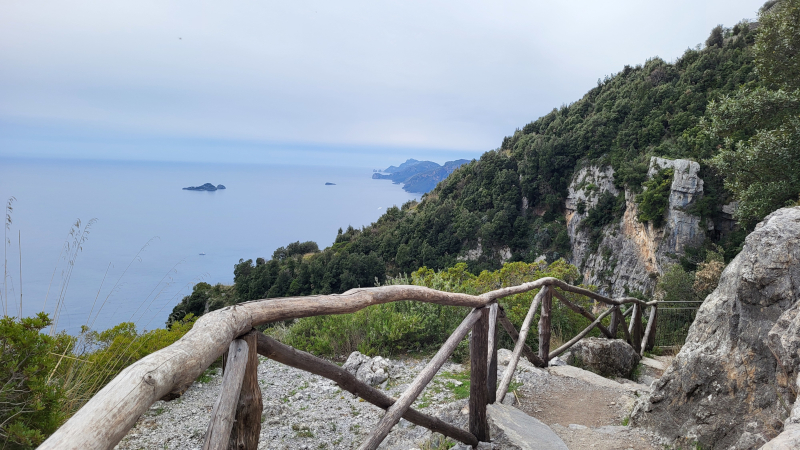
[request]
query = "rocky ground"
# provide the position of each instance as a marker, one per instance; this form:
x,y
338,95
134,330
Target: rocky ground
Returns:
x,y
305,411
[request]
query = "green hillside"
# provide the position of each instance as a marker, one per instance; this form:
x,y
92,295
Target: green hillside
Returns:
x,y
512,199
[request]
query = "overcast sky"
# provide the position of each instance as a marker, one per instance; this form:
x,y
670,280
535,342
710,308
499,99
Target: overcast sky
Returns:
x,y
329,82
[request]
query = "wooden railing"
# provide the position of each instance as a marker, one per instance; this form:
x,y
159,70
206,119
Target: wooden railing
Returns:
x,y
236,416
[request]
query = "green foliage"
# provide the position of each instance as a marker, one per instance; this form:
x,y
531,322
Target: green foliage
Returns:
x,y
653,202
204,298
416,326
760,126
676,285
29,400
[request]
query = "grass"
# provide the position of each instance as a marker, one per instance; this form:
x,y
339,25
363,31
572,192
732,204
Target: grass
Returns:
x,y
302,431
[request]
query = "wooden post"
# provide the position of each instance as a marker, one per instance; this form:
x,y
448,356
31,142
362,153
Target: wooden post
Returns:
x,y
636,328
649,334
411,393
491,376
614,325
625,325
526,350
523,333
544,326
222,416
305,361
478,392
247,428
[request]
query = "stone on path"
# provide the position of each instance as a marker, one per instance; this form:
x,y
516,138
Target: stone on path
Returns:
x,y
523,430
597,380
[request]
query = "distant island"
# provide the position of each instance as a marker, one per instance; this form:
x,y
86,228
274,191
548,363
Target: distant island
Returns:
x,y
330,184
418,177
205,187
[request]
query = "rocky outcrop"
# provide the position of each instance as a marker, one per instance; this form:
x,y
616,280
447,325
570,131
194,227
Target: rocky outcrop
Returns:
x,y
606,357
372,371
630,255
732,384
204,187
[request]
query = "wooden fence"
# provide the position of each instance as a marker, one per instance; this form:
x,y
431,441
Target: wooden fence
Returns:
x,y
236,416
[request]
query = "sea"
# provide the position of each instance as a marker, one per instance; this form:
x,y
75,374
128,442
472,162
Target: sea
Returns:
x,y
97,243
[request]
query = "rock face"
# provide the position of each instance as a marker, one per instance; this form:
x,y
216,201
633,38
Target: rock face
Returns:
x,y
606,357
631,254
372,371
726,388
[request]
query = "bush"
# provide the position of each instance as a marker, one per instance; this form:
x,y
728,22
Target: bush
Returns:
x,y
653,202
29,399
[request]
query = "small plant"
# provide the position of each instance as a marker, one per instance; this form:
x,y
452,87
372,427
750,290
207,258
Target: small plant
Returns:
x,y
207,376
302,431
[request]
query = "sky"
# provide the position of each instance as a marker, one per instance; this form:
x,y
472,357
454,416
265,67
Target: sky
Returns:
x,y
323,82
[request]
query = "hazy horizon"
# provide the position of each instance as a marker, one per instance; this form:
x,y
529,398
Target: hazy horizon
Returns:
x,y
334,84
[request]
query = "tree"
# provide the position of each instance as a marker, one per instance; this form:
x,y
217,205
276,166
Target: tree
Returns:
x,y
760,159
715,39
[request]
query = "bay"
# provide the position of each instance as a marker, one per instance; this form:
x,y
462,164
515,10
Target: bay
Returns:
x,y
142,251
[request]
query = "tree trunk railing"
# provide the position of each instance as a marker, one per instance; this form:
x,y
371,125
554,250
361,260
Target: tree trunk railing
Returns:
x,y
236,417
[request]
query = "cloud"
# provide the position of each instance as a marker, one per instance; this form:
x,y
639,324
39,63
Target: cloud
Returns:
x,y
452,76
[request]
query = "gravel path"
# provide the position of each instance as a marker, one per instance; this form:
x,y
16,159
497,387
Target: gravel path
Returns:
x,y
302,411
305,411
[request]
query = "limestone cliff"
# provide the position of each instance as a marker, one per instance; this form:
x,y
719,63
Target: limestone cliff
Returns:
x,y
630,255
733,383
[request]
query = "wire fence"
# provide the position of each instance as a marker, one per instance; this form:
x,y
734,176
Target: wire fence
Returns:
x,y
674,319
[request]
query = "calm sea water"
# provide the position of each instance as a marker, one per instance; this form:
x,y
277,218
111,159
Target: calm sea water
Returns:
x,y
143,252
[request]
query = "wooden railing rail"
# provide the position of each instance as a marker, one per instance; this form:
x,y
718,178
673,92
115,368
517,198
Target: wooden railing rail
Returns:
x,y
236,417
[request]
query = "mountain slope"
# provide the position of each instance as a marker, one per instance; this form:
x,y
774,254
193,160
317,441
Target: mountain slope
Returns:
x,y
511,204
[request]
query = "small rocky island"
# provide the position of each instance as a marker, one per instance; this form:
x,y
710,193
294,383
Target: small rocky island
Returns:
x,y
205,187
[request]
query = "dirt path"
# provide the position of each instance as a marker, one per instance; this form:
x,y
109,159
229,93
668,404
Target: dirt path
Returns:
x,y
584,414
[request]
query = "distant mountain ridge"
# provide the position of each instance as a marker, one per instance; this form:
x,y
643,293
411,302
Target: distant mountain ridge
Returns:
x,y
419,177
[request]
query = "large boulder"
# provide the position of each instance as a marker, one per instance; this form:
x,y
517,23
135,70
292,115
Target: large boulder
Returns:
x,y
606,357
726,388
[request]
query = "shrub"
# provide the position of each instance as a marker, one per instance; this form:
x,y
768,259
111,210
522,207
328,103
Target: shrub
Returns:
x,y
653,202
29,400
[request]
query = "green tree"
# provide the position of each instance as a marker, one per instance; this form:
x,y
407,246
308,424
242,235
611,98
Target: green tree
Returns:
x,y
760,126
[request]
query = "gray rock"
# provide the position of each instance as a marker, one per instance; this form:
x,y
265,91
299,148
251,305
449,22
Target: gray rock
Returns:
x,y
725,388
372,371
606,357
354,361
523,430
633,254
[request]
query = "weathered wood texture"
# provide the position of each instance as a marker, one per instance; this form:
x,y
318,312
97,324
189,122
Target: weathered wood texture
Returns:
x,y
580,335
556,283
649,334
636,328
247,427
613,327
478,389
491,375
523,334
108,416
222,416
527,352
544,326
582,311
624,325
292,357
402,404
